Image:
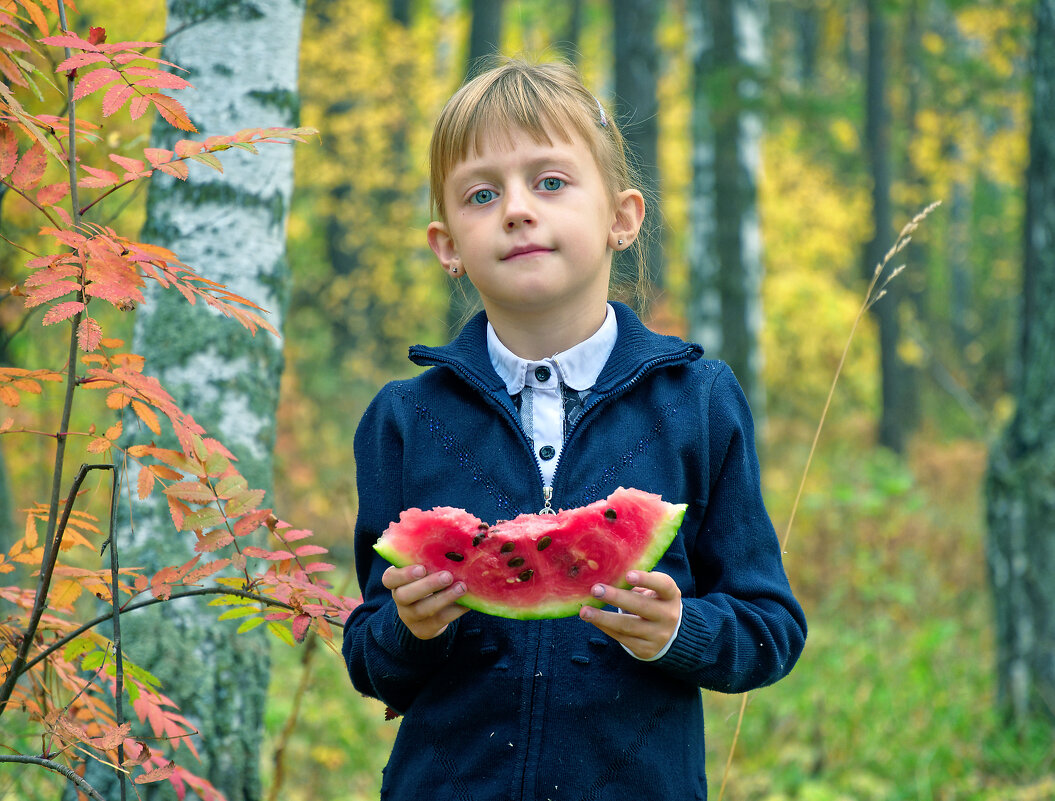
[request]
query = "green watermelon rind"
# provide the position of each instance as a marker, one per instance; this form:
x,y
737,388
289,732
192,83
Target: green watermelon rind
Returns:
x,y
661,536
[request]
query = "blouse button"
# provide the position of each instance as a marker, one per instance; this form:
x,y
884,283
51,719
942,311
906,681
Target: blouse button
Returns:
x,y
547,452
542,374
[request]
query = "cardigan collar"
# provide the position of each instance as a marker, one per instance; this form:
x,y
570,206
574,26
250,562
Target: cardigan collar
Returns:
x,y
637,349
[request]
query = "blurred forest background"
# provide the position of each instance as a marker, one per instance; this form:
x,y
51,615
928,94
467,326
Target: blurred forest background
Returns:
x,y
784,143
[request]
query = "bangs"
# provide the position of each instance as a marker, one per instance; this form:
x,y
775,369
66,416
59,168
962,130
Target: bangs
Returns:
x,y
497,105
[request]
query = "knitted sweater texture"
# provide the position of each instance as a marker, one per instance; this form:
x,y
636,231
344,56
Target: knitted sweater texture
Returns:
x,y
553,710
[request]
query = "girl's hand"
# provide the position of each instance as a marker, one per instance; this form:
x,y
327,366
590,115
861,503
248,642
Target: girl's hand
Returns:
x,y
425,603
650,612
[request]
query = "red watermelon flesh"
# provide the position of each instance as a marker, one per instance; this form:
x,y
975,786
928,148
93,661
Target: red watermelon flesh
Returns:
x,y
537,566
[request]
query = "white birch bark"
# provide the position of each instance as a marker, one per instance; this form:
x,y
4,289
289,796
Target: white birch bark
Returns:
x,y
231,228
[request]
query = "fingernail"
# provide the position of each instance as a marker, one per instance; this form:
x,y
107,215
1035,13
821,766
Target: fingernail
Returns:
x,y
418,571
586,613
446,577
598,591
459,588
633,577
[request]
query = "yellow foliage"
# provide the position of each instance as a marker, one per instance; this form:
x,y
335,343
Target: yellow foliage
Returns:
x,y
814,226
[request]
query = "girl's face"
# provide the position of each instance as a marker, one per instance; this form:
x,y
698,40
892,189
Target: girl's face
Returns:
x,y
533,227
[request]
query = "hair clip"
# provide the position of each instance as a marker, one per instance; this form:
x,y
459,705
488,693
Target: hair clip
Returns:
x,y
604,118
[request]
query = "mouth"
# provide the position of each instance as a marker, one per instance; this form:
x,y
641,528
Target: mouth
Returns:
x,y
525,250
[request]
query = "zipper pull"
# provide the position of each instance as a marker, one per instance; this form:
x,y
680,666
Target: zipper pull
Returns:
x,y
547,493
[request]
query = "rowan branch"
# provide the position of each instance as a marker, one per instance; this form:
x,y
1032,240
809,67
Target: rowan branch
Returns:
x,y
57,767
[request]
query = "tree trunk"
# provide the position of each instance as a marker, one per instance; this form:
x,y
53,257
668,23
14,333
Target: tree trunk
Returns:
x,y
636,68
897,408
725,311
242,60
1021,480
568,44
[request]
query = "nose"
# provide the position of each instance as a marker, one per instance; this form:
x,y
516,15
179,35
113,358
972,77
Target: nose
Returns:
x,y
519,209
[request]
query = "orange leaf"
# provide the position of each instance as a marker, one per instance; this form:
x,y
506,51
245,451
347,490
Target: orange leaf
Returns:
x,y
146,414
99,445
157,775
145,483
118,399
114,431
89,332
62,311
30,168
172,110
64,593
98,179
9,397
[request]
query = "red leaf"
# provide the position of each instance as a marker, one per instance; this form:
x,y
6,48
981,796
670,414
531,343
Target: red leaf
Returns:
x,y
62,311
52,193
69,40
160,80
8,150
80,60
156,156
301,623
133,166
98,179
97,35
140,104
94,81
30,168
179,170
89,333
116,97
311,550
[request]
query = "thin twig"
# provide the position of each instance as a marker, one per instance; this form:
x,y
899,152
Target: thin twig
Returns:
x,y
70,775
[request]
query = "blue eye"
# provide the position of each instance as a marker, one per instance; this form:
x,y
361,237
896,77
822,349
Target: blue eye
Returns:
x,y
482,196
552,184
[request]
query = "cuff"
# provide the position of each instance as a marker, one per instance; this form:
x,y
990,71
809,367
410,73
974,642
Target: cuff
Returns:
x,y
690,649
665,648
392,634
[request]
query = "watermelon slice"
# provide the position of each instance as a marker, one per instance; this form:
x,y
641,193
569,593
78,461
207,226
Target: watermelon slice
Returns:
x,y
537,566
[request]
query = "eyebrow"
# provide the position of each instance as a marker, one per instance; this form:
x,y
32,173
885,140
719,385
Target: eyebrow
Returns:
x,y
538,164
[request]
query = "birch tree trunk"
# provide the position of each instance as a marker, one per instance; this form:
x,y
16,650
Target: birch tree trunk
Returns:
x,y
1021,482
242,61
725,307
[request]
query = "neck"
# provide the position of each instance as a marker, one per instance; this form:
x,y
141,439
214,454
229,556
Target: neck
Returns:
x,y
539,336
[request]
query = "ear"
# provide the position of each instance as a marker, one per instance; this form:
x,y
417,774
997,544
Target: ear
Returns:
x,y
629,214
442,244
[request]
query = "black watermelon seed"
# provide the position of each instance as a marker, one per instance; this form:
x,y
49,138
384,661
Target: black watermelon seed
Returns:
x,y
454,556
573,571
526,575
610,514
478,539
483,527
516,561
543,543
509,546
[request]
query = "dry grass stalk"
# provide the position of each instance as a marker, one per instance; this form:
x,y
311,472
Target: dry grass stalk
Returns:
x,y
872,296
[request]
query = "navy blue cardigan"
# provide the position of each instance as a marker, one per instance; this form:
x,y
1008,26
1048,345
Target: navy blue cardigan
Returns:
x,y
554,709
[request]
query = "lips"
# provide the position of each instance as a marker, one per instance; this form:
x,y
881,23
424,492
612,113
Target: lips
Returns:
x,y
525,250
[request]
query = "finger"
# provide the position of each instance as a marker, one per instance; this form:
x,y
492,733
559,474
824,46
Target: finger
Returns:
x,y
436,604
642,604
663,585
422,588
398,576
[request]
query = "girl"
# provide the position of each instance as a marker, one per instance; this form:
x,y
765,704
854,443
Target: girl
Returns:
x,y
553,397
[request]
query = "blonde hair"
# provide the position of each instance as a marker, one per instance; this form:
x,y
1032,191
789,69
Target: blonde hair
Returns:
x,y
540,99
